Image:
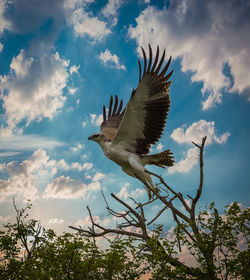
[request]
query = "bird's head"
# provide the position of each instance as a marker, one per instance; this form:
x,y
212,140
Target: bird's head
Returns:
x,y
97,137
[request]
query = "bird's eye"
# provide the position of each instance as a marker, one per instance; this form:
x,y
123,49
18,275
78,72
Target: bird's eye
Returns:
x,y
95,136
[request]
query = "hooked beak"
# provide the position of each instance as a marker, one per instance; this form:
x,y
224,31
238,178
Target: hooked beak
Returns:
x,y
90,138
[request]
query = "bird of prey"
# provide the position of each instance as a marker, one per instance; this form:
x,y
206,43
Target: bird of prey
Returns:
x,y
126,135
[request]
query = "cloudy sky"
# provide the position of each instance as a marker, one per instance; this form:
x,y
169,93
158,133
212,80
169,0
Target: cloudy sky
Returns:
x,y
61,61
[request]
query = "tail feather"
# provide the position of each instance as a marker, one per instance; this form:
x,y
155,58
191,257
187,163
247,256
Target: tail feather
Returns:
x,y
162,159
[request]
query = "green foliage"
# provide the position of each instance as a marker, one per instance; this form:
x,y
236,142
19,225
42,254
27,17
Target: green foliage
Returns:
x,y
68,256
219,244
29,251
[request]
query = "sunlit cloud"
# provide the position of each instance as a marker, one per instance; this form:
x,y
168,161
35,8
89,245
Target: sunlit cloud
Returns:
x,y
35,87
181,29
194,133
111,60
67,188
84,22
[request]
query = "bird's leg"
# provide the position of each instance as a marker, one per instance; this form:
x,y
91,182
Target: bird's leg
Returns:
x,y
141,175
149,180
147,187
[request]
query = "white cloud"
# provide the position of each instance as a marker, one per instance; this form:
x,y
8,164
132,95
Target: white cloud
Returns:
x,y
1,47
86,222
56,221
194,133
77,147
75,165
35,87
80,167
97,121
67,188
186,163
206,36
74,69
26,176
84,124
159,147
98,176
111,60
64,187
125,194
22,182
63,164
72,91
83,22
111,10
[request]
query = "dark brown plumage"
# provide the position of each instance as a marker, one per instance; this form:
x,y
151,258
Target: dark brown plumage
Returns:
x,y
155,108
127,134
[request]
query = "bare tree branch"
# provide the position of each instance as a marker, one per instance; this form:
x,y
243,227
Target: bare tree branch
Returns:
x,y
134,217
199,190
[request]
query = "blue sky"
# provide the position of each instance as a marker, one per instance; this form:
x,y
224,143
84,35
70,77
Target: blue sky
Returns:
x,y
61,61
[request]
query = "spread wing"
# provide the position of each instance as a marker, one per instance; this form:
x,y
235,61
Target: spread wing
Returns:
x,y
145,114
110,124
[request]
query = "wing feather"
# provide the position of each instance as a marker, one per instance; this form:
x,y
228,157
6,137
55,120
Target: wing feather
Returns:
x,y
115,106
145,114
145,61
109,126
139,63
110,106
156,59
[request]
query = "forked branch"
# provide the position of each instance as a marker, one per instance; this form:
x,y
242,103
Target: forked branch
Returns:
x,y
135,223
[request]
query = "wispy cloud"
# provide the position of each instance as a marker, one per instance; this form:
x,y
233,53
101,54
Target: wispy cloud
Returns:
x,y
56,221
9,154
84,22
27,142
111,60
78,147
98,176
125,193
110,10
96,120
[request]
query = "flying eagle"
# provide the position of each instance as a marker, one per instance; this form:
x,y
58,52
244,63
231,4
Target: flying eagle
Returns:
x,y
127,134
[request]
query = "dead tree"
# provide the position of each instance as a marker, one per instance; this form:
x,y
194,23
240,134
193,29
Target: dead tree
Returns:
x,y
135,217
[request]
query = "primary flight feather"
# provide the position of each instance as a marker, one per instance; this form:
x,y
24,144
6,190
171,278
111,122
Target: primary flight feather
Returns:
x,y
127,134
